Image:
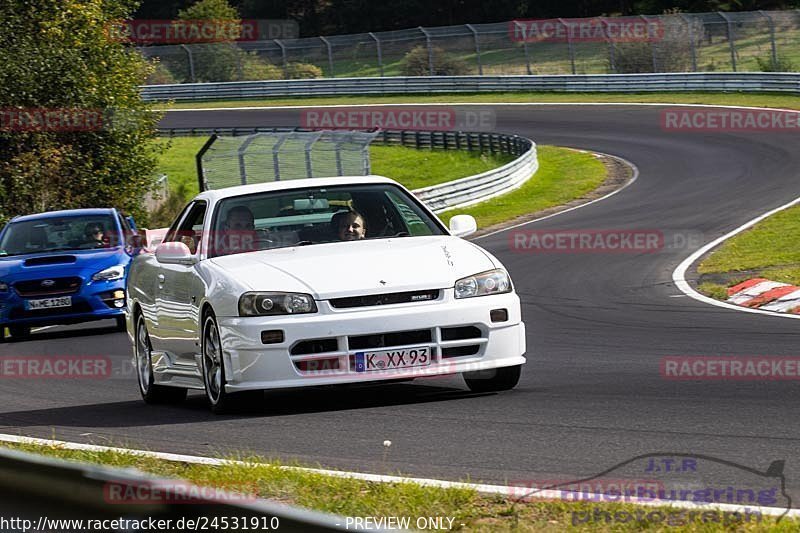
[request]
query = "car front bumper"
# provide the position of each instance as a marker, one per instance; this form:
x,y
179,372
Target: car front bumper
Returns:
x,y
460,334
93,301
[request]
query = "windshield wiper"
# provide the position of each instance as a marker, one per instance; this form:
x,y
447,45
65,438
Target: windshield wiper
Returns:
x,y
303,243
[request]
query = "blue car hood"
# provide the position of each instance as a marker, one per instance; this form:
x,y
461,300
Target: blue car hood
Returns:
x,y
82,263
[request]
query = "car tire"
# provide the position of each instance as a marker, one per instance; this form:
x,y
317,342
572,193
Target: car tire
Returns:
x,y
214,379
151,393
494,379
19,333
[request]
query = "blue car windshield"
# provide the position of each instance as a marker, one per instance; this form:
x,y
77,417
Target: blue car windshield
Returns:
x,y
55,234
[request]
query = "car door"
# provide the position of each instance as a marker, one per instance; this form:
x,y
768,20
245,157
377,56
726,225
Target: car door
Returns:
x,y
176,308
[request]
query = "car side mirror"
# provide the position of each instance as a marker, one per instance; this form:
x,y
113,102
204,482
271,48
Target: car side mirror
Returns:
x,y
174,253
463,225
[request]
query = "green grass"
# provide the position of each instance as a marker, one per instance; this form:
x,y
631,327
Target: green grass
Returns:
x,y
350,497
409,166
771,249
719,98
420,168
563,175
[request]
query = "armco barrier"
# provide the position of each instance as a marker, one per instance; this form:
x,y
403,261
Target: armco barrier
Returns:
x,y
42,491
450,195
700,81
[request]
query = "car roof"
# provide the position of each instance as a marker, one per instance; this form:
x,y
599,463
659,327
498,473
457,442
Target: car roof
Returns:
x,y
240,190
66,213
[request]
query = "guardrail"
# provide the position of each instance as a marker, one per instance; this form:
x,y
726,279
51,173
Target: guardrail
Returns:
x,y
42,492
450,195
780,82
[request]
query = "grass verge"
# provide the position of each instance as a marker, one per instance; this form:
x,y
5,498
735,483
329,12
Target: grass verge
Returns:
x,y
564,175
469,510
770,249
718,98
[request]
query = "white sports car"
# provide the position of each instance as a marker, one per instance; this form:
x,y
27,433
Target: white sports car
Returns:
x,y
317,282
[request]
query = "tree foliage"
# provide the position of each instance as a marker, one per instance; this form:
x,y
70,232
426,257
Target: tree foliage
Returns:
x,y
330,17
57,56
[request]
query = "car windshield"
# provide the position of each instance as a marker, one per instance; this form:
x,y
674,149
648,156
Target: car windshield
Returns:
x,y
55,234
300,217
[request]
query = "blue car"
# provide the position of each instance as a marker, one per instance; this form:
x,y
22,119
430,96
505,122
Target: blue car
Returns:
x,y
64,267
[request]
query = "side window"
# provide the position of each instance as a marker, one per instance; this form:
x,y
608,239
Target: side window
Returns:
x,y
412,220
173,229
126,229
190,230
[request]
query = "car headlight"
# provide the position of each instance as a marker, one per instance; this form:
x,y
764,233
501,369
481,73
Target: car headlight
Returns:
x,y
276,303
483,284
115,272
3,286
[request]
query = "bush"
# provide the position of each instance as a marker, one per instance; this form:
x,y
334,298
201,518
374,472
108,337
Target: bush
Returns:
x,y
783,64
255,69
302,71
57,55
161,75
634,58
415,63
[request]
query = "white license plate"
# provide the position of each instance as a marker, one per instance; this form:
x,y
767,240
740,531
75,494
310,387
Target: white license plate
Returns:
x,y
391,359
48,303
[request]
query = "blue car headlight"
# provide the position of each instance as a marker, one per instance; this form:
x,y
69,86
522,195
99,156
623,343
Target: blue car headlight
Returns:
x,y
110,274
3,286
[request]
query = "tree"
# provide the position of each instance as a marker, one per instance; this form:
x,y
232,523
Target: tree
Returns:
x,y
59,58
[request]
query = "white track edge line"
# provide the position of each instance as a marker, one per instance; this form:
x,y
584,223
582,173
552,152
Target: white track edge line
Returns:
x,y
508,491
400,104
679,274
634,177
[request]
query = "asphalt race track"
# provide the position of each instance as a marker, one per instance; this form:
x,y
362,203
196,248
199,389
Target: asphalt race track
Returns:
x,y
591,395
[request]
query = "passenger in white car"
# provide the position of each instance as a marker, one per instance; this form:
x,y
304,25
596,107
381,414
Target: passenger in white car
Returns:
x,y
349,225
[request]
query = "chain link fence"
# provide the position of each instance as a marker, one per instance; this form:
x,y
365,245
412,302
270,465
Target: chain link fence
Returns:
x,y
275,156
766,41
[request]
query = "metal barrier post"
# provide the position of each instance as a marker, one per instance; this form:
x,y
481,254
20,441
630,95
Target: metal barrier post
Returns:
x,y
191,62
525,47
283,55
330,55
380,56
690,24
430,50
771,38
569,44
611,59
652,46
276,164
730,38
477,48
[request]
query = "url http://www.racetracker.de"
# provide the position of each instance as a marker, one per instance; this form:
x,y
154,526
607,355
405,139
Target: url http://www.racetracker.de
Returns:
x,y
194,523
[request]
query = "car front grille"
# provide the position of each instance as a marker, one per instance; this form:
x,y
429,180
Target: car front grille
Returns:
x,y
385,299
48,287
335,355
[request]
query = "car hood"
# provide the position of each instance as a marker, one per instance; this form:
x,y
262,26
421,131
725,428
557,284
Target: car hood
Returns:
x,y
336,270
72,262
